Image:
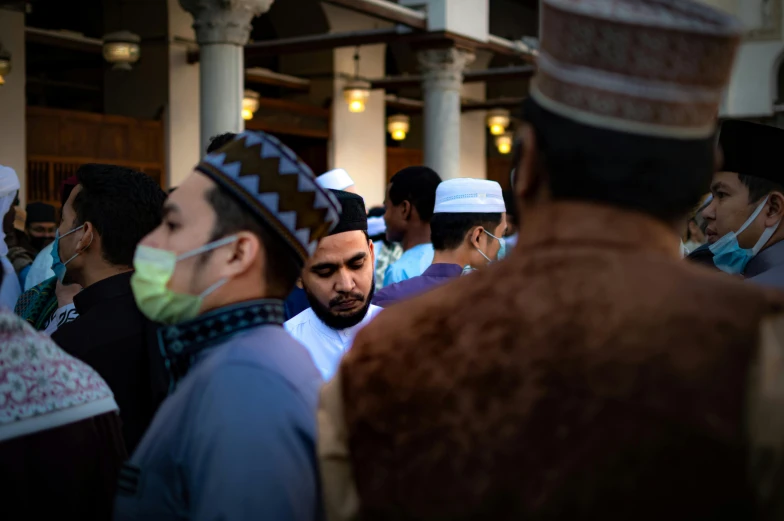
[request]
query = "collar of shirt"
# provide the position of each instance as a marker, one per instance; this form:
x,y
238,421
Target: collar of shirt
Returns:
x,y
766,259
114,286
443,271
181,343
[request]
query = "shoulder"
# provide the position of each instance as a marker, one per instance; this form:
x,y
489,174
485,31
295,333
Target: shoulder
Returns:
x,y
389,294
298,323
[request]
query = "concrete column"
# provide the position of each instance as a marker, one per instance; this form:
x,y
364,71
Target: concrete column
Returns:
x,y
442,70
13,144
222,29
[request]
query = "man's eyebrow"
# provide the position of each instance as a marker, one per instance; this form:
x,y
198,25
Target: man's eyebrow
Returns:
x,y
170,208
324,266
358,257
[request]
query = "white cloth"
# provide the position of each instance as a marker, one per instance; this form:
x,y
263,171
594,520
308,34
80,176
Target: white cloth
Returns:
x,y
337,179
10,289
376,226
9,186
325,345
464,195
60,317
41,269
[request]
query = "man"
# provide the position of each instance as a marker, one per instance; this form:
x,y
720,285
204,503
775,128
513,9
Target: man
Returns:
x,y
593,374
385,252
235,438
695,228
744,218
339,284
41,224
103,220
337,179
9,283
409,204
467,229
59,430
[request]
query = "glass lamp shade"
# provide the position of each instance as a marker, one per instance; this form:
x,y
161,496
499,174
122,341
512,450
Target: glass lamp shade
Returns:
x,y
250,104
121,49
504,143
398,126
5,65
356,94
497,121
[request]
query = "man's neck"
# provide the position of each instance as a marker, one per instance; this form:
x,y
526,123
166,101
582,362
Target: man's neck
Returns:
x,y
103,272
450,257
416,235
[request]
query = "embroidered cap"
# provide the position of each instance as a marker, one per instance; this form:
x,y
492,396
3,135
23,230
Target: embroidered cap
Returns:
x,y
273,183
337,179
649,67
465,195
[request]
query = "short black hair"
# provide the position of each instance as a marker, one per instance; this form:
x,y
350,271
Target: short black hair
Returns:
x,y
218,141
376,211
448,230
511,207
417,185
122,204
282,267
759,187
662,177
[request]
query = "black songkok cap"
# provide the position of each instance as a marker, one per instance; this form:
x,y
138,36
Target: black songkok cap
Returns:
x,y
352,216
752,149
40,213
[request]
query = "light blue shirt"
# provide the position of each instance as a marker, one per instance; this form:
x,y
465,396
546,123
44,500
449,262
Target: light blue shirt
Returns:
x,y
412,263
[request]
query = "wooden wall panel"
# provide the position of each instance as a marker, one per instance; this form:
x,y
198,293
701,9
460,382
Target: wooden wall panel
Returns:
x,y
498,169
59,141
400,158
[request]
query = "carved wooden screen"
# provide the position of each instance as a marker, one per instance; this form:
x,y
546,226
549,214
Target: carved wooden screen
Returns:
x,y
60,141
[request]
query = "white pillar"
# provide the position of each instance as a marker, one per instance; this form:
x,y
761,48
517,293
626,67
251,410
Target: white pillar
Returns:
x,y
442,70
222,29
13,144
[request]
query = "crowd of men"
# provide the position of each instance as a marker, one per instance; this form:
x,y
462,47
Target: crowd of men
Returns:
x,y
257,344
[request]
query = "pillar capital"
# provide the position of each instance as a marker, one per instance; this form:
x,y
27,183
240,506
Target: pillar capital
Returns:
x,y
224,21
443,68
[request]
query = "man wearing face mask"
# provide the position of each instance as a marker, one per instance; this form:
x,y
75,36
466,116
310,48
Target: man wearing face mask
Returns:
x,y
744,217
235,438
106,215
339,282
469,221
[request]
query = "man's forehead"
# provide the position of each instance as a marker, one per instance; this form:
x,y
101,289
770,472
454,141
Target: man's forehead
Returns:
x,y
726,179
339,248
193,189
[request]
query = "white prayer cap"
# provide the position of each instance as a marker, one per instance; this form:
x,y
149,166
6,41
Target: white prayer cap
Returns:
x,y
465,195
337,179
376,226
9,182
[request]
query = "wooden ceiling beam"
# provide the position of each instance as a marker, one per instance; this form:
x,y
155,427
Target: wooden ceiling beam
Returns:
x,y
384,10
516,72
267,77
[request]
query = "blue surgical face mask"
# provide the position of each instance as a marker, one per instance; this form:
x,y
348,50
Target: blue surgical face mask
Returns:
x,y
729,257
58,266
501,250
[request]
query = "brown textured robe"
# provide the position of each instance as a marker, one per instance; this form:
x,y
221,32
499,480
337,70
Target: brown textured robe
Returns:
x,y
591,375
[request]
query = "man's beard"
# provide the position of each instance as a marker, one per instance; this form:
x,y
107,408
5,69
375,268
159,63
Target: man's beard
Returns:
x,y
339,322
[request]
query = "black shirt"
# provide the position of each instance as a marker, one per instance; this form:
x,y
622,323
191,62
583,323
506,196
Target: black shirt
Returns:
x,y
114,338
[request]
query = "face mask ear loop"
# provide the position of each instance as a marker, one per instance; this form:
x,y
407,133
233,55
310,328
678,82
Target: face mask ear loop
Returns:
x,y
77,253
752,217
212,288
207,247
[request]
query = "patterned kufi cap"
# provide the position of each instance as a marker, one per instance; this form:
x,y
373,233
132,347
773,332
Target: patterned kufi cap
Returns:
x,y
272,182
650,67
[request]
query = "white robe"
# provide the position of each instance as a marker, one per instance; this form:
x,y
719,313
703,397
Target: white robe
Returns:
x,y
325,345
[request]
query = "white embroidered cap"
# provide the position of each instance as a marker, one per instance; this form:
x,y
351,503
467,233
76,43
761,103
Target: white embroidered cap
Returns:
x,y
464,195
337,179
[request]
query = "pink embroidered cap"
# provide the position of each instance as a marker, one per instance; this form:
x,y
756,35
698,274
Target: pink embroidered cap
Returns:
x,y
42,387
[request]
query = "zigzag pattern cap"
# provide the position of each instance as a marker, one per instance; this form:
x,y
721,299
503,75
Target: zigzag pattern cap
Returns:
x,y
650,67
273,183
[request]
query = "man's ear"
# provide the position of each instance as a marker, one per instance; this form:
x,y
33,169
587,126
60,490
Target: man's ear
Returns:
x,y
87,238
474,235
372,248
407,208
527,176
241,254
775,211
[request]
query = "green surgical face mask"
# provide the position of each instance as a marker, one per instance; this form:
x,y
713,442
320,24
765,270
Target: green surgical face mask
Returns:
x,y
154,268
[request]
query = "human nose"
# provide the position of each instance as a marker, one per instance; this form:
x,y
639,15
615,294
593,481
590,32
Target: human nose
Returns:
x,y
709,212
344,282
